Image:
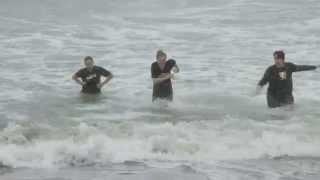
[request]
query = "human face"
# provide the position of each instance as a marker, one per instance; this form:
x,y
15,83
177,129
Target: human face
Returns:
x,y
89,64
279,62
162,59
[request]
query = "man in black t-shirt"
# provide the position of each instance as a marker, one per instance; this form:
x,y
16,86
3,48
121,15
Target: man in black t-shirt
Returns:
x,y
279,77
161,76
90,77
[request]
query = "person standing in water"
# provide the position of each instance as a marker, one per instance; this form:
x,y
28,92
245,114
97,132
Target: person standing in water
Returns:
x,y
279,77
90,77
161,76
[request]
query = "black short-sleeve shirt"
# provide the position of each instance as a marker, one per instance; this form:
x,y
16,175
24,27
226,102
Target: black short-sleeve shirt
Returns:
x,y
92,78
156,71
163,89
280,78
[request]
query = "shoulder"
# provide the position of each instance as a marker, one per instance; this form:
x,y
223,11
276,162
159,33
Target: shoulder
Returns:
x,y
290,65
99,68
154,64
102,71
270,68
82,70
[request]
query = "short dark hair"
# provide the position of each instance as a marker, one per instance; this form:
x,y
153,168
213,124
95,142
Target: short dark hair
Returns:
x,y
87,58
279,54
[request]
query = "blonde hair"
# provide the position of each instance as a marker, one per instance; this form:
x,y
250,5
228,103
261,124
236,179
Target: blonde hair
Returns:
x,y
160,53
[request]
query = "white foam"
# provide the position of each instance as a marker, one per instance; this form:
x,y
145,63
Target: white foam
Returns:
x,y
222,48
204,141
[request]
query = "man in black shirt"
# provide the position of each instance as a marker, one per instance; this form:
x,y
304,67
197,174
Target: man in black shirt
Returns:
x,y
161,76
279,77
90,77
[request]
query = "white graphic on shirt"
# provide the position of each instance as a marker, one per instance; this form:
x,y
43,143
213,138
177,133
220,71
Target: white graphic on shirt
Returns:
x,y
283,75
92,76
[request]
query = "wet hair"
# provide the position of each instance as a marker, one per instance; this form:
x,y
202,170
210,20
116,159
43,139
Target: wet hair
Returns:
x,y
87,58
279,54
160,53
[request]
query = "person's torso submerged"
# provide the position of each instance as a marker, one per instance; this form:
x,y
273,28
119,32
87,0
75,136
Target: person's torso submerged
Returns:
x,y
92,78
281,79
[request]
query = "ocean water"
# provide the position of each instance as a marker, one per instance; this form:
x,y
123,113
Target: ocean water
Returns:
x,y
216,129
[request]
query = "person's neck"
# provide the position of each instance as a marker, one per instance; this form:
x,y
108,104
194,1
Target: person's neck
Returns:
x,y
280,65
162,63
90,68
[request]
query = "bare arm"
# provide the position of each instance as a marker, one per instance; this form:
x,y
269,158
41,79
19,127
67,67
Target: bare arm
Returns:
x,y
162,77
104,82
176,68
165,76
77,80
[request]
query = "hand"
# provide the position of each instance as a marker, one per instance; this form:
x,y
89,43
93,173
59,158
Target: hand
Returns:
x,y
163,75
167,75
258,90
175,70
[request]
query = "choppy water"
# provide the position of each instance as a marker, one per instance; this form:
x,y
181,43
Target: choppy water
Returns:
x,y
215,129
